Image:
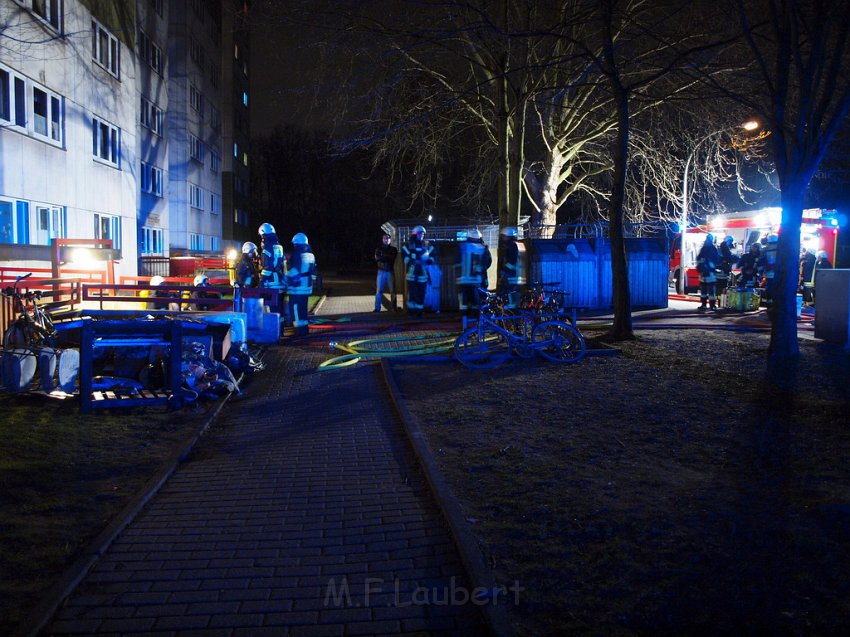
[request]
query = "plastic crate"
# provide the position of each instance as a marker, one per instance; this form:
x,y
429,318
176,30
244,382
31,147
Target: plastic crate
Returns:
x,y
743,300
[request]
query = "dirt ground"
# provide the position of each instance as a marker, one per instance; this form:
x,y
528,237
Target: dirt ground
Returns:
x,y
682,486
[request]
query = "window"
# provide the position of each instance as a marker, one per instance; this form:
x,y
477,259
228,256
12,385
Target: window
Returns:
x,y
198,9
215,75
151,179
49,224
215,203
245,99
105,141
196,52
48,10
7,222
196,100
108,227
236,150
150,52
13,96
156,5
240,217
151,241
47,114
215,162
215,244
245,159
37,111
235,50
104,48
215,118
196,196
196,242
196,148
151,117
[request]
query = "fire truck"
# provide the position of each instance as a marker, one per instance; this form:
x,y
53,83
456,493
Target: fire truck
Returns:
x,y
818,231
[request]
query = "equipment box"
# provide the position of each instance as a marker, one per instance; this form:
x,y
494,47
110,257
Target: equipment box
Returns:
x,y
743,300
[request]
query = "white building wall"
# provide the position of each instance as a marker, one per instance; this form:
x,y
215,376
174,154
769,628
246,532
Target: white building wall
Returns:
x,y
67,174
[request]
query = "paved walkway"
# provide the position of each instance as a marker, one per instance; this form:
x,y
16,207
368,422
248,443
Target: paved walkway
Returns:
x,y
302,512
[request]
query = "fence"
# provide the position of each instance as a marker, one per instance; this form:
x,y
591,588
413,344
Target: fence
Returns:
x,y
58,295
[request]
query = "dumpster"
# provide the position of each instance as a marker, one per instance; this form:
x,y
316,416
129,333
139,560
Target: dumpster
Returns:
x,y
570,264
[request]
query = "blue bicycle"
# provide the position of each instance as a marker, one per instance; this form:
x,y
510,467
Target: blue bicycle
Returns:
x,y
496,337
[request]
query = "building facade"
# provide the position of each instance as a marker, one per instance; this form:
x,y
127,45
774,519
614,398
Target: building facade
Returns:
x,y
112,116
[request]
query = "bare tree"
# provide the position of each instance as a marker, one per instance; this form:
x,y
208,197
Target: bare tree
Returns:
x,y
800,88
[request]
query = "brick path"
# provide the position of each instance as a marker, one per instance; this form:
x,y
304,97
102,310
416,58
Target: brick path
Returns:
x,y
302,512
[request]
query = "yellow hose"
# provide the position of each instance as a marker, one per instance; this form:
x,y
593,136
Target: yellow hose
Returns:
x,y
354,351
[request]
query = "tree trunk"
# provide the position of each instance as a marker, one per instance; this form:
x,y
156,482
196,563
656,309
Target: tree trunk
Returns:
x,y
622,327
783,331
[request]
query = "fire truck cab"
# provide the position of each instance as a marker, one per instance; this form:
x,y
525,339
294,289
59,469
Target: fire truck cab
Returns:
x,y
818,231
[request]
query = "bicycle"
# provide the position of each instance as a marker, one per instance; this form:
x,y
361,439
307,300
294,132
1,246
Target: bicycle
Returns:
x,y
30,342
487,343
32,326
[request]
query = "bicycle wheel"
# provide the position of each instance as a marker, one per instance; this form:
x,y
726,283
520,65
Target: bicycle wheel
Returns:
x,y
482,348
17,335
559,342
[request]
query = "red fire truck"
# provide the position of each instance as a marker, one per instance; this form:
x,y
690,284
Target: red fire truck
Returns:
x,y
818,231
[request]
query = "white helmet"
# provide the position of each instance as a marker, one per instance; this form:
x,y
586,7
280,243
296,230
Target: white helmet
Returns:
x,y
248,247
509,232
201,279
475,233
266,228
419,231
300,239
157,280
822,254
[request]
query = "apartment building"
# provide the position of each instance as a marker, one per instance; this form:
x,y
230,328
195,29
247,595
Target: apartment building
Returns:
x,y
67,128
112,117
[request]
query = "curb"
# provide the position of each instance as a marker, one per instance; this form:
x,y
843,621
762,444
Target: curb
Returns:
x,y
470,554
44,611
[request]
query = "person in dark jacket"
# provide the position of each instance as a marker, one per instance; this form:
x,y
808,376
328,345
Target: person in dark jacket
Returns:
x,y
821,263
417,256
473,261
203,281
749,265
807,274
708,259
385,255
300,272
512,265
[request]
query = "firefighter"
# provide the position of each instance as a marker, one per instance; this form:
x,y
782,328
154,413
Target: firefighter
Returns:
x,y
708,259
247,273
821,263
807,275
417,256
202,281
768,268
300,272
158,281
749,265
512,269
473,260
271,274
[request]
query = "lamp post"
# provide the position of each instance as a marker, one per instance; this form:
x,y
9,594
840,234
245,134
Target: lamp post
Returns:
x,y
750,125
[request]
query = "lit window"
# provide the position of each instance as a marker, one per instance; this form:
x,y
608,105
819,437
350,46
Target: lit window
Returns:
x,y
245,159
245,99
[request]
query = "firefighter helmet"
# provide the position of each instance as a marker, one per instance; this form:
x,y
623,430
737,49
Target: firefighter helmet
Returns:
x,y
248,247
709,238
419,231
266,228
157,280
772,237
201,279
300,239
822,254
510,231
475,233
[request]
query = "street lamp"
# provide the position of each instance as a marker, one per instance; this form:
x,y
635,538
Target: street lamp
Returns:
x,y
750,125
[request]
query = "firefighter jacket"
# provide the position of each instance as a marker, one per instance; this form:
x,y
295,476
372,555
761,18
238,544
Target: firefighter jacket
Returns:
x,y
513,265
247,275
748,265
807,269
300,270
707,261
474,260
417,255
272,261
385,257
727,258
